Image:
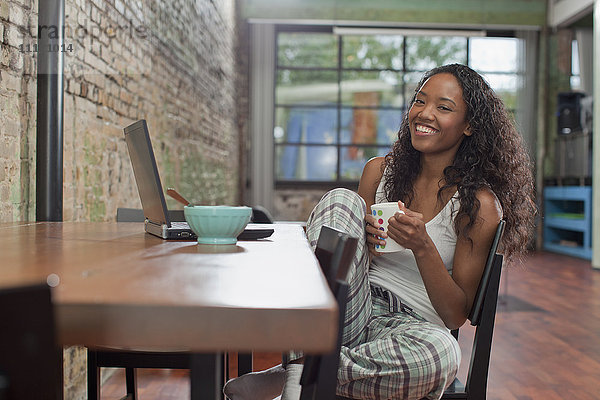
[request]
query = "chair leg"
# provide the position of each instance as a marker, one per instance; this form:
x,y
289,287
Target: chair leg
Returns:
x,y
226,365
206,377
244,363
131,383
93,376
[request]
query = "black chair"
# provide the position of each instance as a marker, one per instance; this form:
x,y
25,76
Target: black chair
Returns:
x,y
334,251
137,215
131,360
319,376
482,316
30,358
261,215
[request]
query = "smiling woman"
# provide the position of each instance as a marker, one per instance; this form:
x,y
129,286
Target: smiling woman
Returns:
x,y
456,170
490,153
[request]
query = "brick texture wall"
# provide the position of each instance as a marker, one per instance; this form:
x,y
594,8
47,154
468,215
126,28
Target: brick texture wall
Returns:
x,y
17,110
179,64
172,63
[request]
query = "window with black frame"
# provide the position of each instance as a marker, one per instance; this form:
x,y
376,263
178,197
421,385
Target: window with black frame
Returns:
x,y
339,99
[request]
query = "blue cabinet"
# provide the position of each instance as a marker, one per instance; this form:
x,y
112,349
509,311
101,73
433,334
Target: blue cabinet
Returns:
x,y
568,220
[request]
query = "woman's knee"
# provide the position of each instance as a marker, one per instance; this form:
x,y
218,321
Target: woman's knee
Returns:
x,y
344,197
340,207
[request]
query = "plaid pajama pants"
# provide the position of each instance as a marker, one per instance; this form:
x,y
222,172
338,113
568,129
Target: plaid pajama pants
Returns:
x,y
388,351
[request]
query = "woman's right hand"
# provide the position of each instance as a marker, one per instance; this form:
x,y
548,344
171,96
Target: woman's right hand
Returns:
x,y
374,235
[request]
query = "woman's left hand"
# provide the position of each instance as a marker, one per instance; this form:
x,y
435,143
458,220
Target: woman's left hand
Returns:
x,y
408,229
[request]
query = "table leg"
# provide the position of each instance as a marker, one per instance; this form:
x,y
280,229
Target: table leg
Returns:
x,y
206,376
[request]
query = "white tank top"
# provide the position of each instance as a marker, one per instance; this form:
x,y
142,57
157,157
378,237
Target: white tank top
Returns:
x,y
398,272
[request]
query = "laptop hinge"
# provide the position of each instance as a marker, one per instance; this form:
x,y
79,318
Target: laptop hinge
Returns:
x,y
156,229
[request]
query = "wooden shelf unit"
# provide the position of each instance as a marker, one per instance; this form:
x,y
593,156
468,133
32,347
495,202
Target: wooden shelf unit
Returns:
x,y
568,220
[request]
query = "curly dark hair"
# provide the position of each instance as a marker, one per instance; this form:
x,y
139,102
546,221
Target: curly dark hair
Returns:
x,y
492,157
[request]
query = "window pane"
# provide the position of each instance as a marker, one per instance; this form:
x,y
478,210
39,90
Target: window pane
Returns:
x,y
354,159
493,54
372,88
424,53
306,125
354,113
312,163
306,87
505,86
307,50
370,126
377,52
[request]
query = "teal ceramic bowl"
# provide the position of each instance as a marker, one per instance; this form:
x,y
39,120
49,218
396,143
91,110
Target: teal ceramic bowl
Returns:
x,y
217,224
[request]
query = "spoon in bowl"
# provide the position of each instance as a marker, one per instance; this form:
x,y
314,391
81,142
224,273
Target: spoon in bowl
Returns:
x,y
175,194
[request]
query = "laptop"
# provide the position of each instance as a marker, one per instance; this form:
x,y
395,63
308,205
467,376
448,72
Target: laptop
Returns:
x,y
157,220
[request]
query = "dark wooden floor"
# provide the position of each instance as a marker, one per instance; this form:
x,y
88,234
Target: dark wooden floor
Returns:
x,y
546,343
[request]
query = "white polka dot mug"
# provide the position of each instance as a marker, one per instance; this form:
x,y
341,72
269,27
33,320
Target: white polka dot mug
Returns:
x,y
382,213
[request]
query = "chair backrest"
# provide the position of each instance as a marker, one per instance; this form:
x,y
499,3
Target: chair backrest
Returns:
x,y
481,297
261,215
137,215
483,314
30,359
130,215
335,250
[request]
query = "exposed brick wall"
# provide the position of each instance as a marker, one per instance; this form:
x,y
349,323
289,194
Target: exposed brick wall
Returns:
x,y
178,64
17,110
243,95
172,63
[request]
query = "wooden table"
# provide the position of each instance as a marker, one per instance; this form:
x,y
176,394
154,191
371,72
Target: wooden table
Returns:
x,y
119,286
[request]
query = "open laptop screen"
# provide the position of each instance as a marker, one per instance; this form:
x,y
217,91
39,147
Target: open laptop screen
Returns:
x,y
146,172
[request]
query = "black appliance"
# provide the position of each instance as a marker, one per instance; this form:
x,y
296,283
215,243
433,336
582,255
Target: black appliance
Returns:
x,y
569,112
